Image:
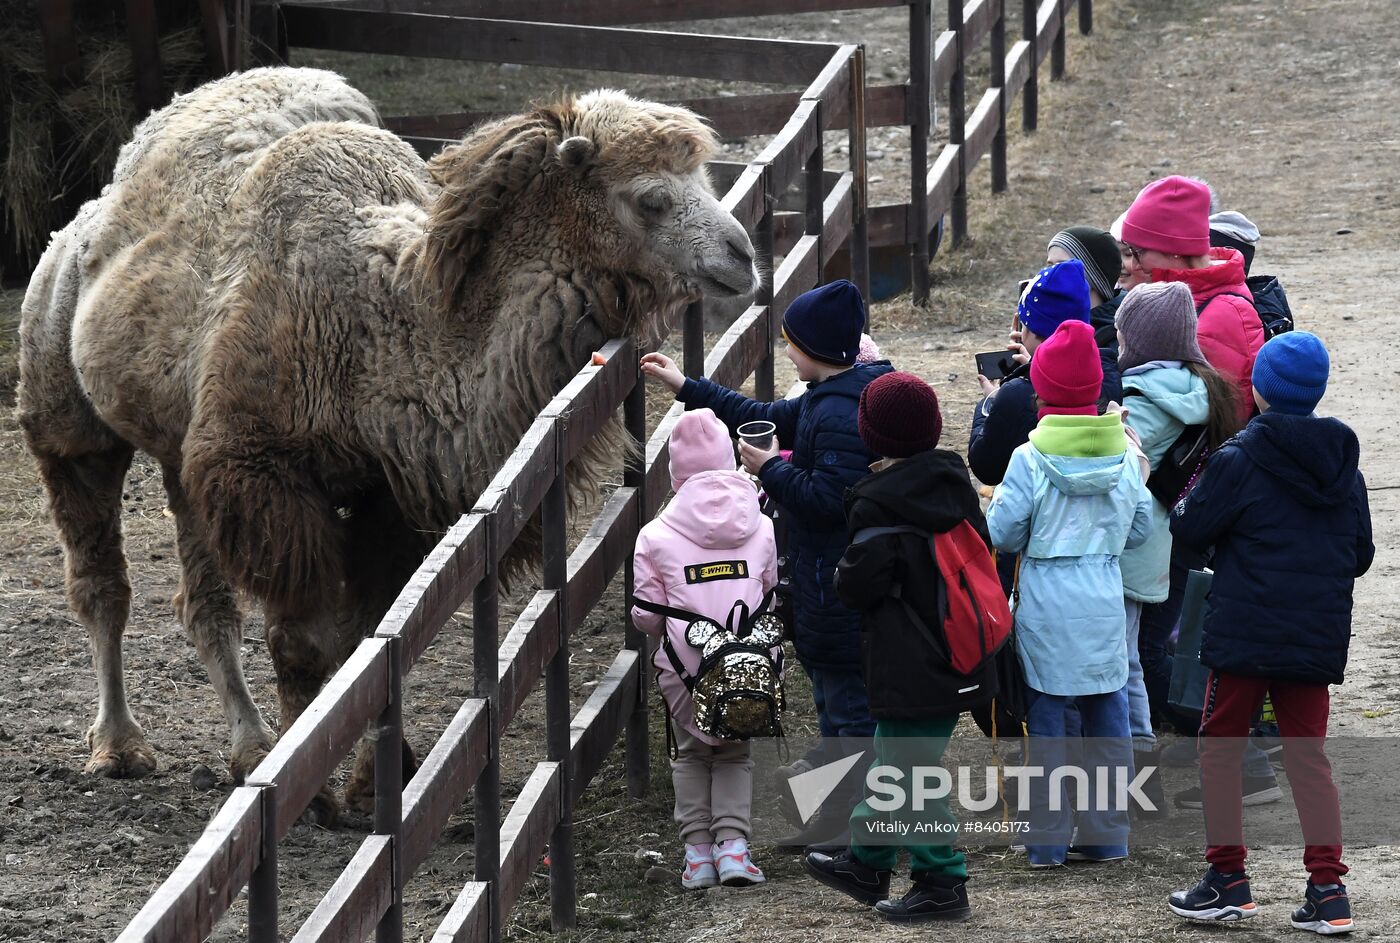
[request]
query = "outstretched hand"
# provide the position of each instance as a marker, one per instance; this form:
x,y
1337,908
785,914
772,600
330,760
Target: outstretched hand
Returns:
x,y
664,369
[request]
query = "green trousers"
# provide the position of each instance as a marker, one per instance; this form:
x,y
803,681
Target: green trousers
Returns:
x,y
877,836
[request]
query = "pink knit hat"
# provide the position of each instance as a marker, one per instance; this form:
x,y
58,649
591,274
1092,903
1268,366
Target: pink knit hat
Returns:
x,y
1170,215
700,442
1066,372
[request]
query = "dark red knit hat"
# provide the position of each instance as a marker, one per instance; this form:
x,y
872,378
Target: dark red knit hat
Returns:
x,y
899,416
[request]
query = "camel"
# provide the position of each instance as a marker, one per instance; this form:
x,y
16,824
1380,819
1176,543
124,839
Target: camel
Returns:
x,y
330,346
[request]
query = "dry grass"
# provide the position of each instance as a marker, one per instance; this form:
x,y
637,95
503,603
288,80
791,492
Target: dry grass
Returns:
x,y
61,144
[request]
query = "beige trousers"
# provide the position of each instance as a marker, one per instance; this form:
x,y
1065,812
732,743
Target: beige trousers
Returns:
x,y
714,789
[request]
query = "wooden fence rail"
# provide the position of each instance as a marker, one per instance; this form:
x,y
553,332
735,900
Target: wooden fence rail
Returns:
x,y
240,845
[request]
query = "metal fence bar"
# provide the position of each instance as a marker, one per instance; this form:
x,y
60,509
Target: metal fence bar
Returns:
x,y
957,106
920,119
388,793
555,522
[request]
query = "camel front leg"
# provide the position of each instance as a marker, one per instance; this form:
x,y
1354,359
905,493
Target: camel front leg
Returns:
x,y
206,607
302,649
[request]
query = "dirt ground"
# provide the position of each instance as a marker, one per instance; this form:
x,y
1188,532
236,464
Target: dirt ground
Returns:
x,y
1287,108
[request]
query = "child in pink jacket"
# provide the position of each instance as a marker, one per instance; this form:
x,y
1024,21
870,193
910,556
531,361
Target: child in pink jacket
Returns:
x,y
713,519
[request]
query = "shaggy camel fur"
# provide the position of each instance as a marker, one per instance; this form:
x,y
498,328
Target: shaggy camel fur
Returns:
x,y
331,347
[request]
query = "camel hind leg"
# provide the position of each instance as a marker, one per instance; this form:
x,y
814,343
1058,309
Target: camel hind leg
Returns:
x,y
85,493
206,607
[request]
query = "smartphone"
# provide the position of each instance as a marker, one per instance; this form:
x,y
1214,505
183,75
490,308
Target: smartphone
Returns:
x,y
995,364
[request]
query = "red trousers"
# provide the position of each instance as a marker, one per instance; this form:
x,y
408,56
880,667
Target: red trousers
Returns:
x,y
1301,709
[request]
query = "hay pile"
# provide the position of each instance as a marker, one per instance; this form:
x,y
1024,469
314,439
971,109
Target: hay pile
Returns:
x,y
60,144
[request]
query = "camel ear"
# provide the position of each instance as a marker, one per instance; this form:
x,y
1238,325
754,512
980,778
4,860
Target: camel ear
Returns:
x,y
576,154
479,178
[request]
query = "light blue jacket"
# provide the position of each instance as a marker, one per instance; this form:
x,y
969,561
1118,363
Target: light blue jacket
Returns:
x,y
1071,501
1172,398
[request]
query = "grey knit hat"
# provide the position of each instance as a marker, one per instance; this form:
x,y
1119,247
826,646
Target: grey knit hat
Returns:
x,y
1097,250
1157,321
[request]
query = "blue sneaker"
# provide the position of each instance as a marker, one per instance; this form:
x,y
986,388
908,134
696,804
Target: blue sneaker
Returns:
x,y
1325,910
1217,897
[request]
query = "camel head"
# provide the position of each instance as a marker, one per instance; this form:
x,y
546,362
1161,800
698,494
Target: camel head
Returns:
x,y
620,182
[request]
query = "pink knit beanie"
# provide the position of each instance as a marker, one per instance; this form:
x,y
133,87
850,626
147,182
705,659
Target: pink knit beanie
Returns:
x,y
1067,373
700,442
1170,215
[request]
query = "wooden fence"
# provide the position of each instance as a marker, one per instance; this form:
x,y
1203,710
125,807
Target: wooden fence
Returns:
x,y
239,848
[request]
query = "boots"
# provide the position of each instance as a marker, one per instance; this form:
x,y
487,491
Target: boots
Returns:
x,y
933,897
829,828
845,873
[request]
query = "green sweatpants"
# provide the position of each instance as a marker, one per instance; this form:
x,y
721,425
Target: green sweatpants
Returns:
x,y
876,837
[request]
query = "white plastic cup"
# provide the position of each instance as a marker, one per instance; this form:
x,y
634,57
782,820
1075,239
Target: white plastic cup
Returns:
x,y
759,433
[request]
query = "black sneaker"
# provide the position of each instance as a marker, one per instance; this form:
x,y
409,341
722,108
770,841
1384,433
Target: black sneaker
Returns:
x,y
933,897
843,872
1325,911
1217,897
1258,790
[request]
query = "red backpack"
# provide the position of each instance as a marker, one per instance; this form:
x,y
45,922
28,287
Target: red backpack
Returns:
x,y
978,620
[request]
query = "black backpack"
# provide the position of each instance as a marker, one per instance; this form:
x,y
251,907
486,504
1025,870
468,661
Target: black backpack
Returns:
x,y
1182,464
1270,303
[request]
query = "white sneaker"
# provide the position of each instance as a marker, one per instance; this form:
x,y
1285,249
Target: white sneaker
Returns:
x,y
736,868
699,869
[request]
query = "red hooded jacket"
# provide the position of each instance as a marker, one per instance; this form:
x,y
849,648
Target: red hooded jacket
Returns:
x,y
1229,331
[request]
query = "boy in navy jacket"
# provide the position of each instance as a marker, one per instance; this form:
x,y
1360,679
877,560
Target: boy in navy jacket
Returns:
x,y
1284,506
822,328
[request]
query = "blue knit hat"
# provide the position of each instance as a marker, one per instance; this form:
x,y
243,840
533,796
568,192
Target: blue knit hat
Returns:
x,y
1058,294
826,323
1290,372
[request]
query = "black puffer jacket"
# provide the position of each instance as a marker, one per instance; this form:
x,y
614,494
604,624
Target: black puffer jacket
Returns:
x,y
1285,508
906,675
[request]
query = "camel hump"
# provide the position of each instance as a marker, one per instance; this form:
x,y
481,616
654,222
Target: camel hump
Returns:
x,y
222,121
342,162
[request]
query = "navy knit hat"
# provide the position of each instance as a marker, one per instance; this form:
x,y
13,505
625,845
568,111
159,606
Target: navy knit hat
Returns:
x,y
1291,373
1097,250
898,416
1058,294
826,323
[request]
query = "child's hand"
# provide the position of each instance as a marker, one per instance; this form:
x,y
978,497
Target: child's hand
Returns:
x,y
989,388
664,369
754,458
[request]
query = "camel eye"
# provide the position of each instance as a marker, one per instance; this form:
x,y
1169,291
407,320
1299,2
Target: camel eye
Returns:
x,y
654,205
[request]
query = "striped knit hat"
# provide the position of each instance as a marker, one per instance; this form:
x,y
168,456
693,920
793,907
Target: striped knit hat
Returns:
x,y
1097,250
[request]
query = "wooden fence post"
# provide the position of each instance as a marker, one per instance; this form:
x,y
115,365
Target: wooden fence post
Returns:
x,y
998,81
1030,98
486,806
1057,48
1086,16
634,475
262,885
388,792
921,106
860,229
143,35
957,118
693,340
555,522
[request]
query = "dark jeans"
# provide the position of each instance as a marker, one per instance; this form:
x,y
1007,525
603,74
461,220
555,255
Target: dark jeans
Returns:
x,y
843,710
1155,646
